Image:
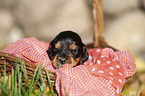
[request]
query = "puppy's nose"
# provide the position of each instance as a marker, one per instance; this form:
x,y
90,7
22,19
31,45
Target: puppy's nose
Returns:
x,y
62,60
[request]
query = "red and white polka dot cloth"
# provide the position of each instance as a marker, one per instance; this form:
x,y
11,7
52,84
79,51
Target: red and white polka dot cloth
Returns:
x,y
102,75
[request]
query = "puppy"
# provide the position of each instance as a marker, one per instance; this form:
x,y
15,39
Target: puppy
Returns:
x,y
67,48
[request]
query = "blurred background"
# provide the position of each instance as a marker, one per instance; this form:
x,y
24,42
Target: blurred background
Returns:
x,y
124,22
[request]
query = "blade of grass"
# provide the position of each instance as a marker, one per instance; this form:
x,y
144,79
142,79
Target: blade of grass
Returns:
x,y
12,81
23,68
7,82
15,79
17,89
3,82
4,91
51,87
34,81
42,83
19,81
23,90
4,71
34,76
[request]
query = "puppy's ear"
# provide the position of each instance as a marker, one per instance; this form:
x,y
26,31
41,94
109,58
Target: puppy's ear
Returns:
x,y
85,54
50,51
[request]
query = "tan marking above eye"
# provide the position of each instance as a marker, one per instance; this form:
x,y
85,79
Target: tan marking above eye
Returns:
x,y
58,45
72,46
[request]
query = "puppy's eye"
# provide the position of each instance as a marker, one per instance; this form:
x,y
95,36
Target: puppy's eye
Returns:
x,y
72,46
58,45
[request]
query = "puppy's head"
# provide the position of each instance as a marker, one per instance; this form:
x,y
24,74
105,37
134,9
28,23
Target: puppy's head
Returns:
x,y
67,47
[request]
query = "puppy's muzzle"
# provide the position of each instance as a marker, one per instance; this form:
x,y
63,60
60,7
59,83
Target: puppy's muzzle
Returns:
x,y
58,62
62,60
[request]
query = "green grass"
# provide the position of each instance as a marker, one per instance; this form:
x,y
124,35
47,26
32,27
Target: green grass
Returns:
x,y
18,83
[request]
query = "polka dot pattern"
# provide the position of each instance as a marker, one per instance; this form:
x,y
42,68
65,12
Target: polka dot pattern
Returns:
x,y
108,62
98,61
93,69
103,74
111,73
100,71
117,66
110,65
111,68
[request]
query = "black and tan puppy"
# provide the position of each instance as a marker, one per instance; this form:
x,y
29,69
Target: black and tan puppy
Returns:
x,y
67,48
